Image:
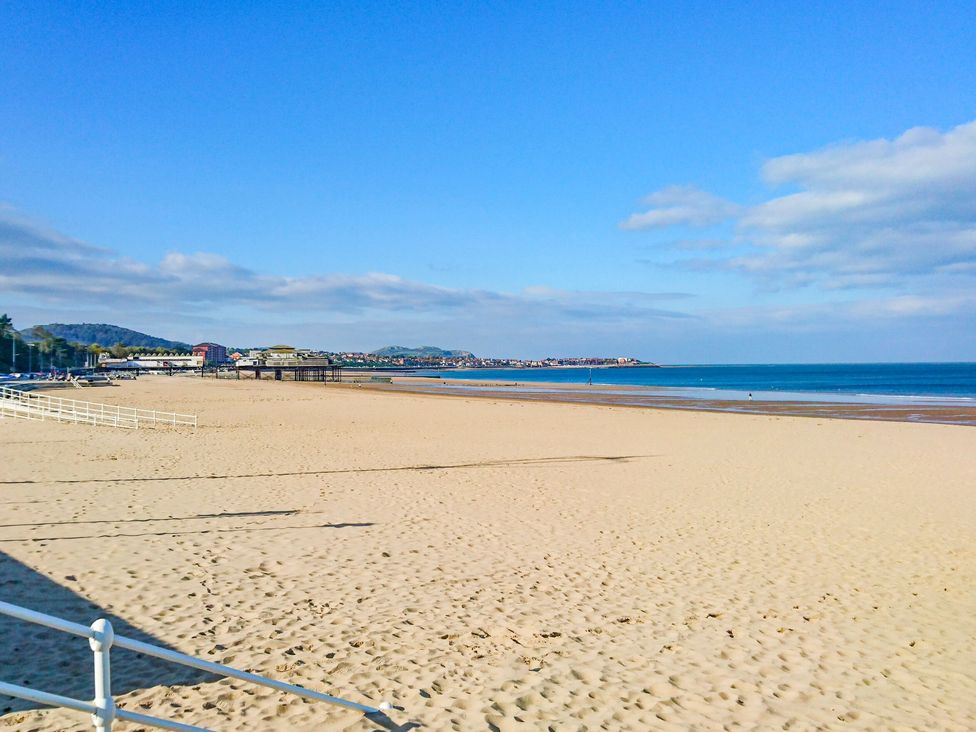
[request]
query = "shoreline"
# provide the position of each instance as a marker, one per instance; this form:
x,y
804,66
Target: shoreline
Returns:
x,y
637,397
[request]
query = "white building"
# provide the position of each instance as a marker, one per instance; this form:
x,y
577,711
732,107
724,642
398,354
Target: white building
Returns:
x,y
282,356
152,361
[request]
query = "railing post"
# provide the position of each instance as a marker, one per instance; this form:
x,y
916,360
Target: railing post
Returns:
x,y
101,646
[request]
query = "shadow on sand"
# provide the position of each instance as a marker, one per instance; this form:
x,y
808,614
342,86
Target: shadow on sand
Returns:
x,y
198,517
385,723
243,529
528,462
48,660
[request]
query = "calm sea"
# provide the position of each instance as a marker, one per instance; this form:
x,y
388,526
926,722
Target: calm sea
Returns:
x,y
848,382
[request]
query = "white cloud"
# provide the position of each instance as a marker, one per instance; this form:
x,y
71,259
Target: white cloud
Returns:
x,y
42,265
859,315
919,155
866,214
681,205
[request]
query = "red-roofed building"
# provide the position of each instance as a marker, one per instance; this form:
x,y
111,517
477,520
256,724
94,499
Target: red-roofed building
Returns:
x,y
211,352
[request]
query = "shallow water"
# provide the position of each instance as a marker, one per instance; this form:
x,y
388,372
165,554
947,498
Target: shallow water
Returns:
x,y
886,383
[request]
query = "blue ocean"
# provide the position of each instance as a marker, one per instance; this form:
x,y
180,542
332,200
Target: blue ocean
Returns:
x,y
886,382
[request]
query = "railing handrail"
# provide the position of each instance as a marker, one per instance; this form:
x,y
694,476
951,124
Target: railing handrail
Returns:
x,y
98,638
63,408
35,409
7,390
56,700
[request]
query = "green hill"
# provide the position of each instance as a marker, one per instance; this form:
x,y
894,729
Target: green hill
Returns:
x,y
419,352
103,334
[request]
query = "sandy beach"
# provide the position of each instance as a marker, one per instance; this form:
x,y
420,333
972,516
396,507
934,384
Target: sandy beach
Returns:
x,y
490,564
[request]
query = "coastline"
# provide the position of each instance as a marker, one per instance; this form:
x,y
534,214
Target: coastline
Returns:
x,y
559,366
638,397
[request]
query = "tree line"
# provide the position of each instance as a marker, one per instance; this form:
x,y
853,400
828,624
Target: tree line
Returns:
x,y
46,350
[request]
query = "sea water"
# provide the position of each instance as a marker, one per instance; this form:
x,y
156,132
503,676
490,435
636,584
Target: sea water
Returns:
x,y
870,382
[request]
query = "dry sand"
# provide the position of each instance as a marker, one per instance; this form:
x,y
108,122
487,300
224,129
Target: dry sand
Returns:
x,y
496,565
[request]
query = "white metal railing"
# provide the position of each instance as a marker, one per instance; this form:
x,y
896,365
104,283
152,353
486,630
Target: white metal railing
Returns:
x,y
29,405
101,639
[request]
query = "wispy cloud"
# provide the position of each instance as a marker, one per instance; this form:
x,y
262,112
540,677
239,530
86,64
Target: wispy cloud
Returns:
x,y
681,205
51,267
856,314
879,213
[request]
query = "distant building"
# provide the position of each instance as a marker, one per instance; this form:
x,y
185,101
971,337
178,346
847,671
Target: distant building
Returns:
x,y
211,353
282,357
253,358
151,361
281,352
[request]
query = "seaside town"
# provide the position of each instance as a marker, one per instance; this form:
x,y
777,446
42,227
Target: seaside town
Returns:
x,y
83,346
214,354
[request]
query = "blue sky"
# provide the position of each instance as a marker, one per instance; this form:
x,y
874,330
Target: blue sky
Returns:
x,y
694,182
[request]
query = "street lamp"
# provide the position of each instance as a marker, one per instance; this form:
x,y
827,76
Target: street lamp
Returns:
x,y
30,357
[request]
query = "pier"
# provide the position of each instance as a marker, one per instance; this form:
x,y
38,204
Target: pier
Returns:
x,y
321,373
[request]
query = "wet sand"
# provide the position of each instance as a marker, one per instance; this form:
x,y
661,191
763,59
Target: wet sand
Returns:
x,y
630,396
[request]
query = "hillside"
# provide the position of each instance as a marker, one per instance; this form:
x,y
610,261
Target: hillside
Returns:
x,y
419,352
103,334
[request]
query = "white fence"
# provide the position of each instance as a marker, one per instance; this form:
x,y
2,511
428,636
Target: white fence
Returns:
x,y
101,639
29,405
